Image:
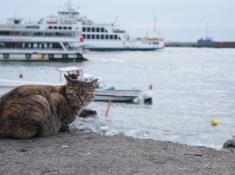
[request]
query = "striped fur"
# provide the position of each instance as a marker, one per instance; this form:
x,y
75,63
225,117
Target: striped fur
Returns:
x,y
34,110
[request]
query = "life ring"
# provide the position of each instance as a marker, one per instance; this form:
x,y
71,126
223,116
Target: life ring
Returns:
x,y
6,56
51,56
28,56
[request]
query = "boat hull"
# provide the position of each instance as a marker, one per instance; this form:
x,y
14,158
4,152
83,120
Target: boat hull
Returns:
x,y
117,95
113,98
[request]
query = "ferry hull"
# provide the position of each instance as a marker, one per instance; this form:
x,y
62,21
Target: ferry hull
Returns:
x,y
36,57
122,49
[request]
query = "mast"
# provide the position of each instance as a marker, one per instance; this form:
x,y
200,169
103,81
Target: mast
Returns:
x,y
155,23
206,30
69,5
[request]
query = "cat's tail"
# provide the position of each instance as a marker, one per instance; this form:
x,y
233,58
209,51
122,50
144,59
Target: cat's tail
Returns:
x,y
20,128
27,127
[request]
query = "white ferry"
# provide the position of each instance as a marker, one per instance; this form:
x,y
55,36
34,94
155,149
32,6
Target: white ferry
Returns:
x,y
100,37
35,42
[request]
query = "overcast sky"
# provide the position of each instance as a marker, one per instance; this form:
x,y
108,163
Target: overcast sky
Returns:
x,y
177,20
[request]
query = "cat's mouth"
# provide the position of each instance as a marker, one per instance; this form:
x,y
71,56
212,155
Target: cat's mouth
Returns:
x,y
82,100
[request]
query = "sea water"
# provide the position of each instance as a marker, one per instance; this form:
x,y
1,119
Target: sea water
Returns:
x,y
190,88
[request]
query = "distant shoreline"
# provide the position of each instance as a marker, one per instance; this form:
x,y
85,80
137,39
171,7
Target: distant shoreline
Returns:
x,y
94,154
202,44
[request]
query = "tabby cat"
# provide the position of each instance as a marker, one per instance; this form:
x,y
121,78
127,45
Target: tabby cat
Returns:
x,y
35,110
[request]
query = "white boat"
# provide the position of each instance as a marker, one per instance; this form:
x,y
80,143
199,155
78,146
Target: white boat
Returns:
x,y
101,94
131,96
35,42
98,37
108,94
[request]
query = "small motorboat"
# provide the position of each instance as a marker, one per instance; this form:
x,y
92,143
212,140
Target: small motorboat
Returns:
x,y
131,96
109,94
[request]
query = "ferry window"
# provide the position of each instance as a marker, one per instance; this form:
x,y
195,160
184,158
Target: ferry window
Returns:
x,y
48,45
17,21
88,37
24,33
59,27
56,46
119,38
115,37
84,29
18,45
101,36
93,36
106,31
93,29
7,45
102,30
1,45
88,29
111,36
64,34
4,33
70,34
26,45
50,27
65,28
97,29
106,36
97,36
15,33
55,27
48,34
57,34
37,34
70,28
67,34
12,45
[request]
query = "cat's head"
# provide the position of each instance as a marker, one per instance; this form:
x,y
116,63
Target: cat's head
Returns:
x,y
79,93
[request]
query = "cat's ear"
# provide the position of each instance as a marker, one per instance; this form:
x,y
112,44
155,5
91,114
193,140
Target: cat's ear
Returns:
x,y
94,83
68,79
